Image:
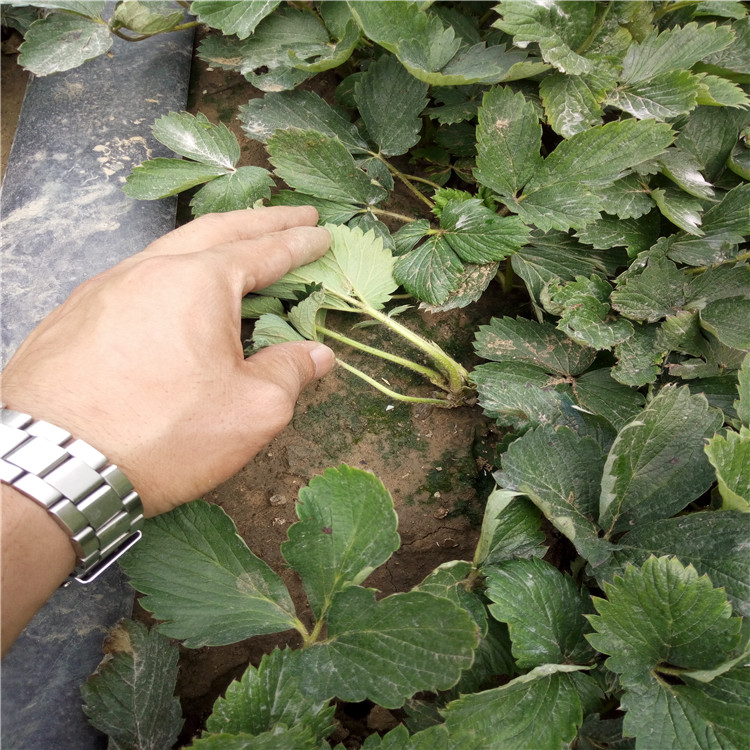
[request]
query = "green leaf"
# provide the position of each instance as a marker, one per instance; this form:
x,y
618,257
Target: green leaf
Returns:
x,y
684,170
540,710
304,110
269,696
195,137
270,329
657,465
329,212
673,49
432,738
255,306
510,529
585,313
431,272
728,320
598,392
131,696
356,266
473,282
521,340
627,198
62,41
159,178
90,8
412,641
508,141
657,292
557,27
280,738
662,98
572,103
320,165
638,358
347,528
730,455
560,472
719,92
714,542
240,189
682,210
479,235
544,611
238,17
390,101
663,620
637,234
742,404
200,578
307,315
733,61
344,33
145,18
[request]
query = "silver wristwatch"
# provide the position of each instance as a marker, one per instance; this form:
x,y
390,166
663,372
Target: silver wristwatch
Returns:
x,y
91,499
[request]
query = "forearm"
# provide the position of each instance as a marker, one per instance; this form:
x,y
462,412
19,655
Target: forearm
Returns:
x,y
37,561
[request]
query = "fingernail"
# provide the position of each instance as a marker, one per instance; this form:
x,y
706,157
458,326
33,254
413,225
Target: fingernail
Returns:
x,y
323,359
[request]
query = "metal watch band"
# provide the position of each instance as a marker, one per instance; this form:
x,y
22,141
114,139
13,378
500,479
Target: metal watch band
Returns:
x,y
91,499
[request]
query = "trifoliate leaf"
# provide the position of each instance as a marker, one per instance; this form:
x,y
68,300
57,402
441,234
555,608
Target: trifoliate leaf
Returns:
x,y
714,542
62,41
655,293
347,528
684,170
304,110
357,265
390,102
145,18
200,578
585,313
673,49
271,329
320,165
728,320
508,141
510,529
479,235
681,209
131,696
558,28
572,103
521,340
160,178
543,609
268,696
657,465
598,392
473,282
197,138
239,189
730,455
255,306
627,198
238,17
431,272
412,641
661,98
506,717
561,473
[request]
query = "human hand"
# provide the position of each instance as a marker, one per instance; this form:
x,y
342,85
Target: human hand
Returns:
x,y
145,360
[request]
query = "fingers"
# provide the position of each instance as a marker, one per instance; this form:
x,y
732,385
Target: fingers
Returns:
x,y
232,226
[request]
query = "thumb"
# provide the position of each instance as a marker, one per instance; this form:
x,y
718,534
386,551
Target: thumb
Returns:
x,y
292,366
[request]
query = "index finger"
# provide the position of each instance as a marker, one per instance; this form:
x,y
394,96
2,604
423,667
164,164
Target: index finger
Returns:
x,y
233,226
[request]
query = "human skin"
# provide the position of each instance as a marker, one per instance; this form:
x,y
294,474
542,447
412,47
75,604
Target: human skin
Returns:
x,y
145,362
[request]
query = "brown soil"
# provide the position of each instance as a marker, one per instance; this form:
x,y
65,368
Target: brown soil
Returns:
x,y
12,88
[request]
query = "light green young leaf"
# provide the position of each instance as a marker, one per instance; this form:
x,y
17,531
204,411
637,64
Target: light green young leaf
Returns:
x,y
730,455
681,209
508,717
714,542
521,340
557,27
673,49
661,98
543,609
300,737
347,528
728,320
196,137
657,465
572,103
268,696
510,529
254,306
145,18
160,178
270,329
508,141
131,696
304,110
561,473
231,192
412,641
200,578
431,272
655,293
356,266
598,392
390,101
320,165
742,404
62,41
238,17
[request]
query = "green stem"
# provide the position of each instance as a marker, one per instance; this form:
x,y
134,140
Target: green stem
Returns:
x,y
392,394
423,180
509,277
671,7
299,626
594,30
434,377
703,269
401,176
393,215
181,27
